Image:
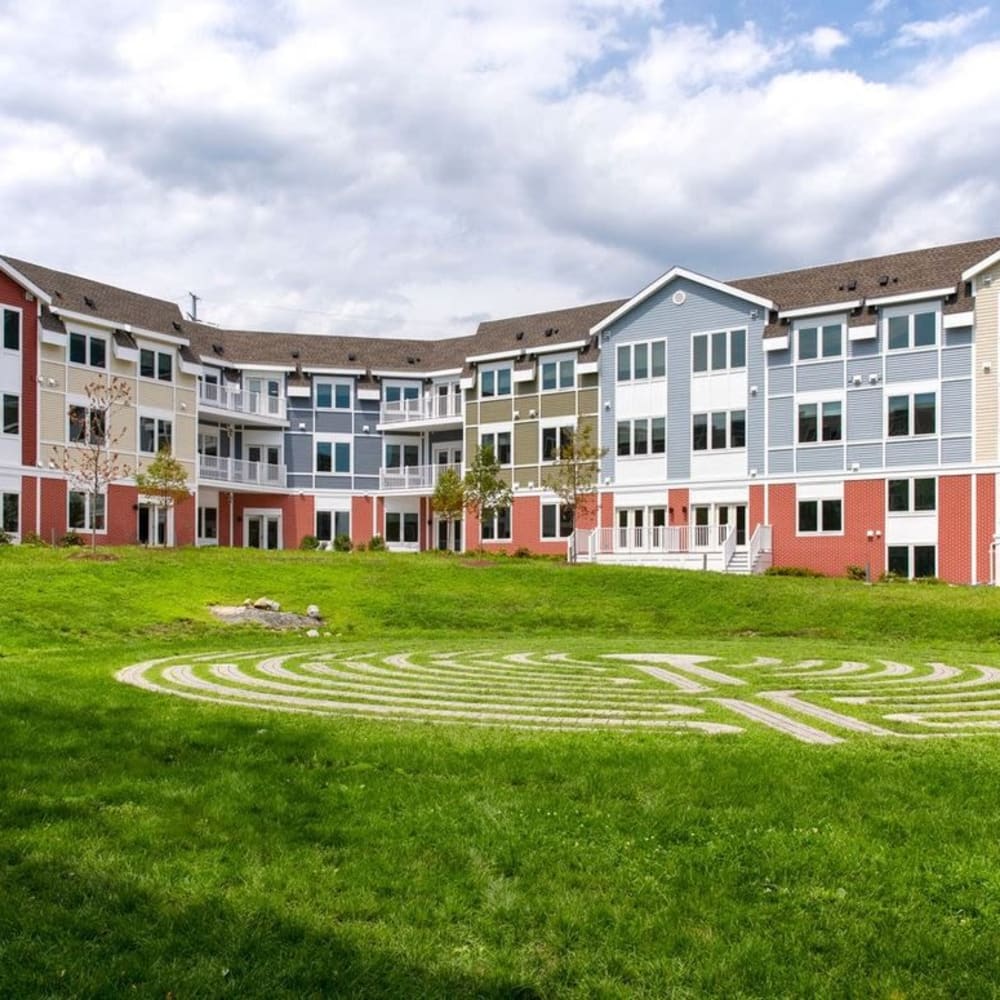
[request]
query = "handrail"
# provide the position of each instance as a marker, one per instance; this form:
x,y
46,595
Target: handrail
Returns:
x,y
728,545
258,404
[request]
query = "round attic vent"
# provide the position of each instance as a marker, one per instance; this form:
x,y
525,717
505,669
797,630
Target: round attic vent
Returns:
x,y
679,298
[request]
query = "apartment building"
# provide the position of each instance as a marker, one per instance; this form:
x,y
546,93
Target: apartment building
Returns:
x,y
830,416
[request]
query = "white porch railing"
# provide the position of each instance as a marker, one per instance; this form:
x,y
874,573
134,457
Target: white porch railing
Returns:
x,y
413,477
430,407
728,545
253,404
236,470
760,541
659,538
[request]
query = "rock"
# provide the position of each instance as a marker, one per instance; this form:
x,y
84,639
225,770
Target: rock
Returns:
x,y
248,603
313,611
313,633
266,604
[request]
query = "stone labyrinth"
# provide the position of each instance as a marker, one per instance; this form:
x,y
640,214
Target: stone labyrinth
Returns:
x,y
815,701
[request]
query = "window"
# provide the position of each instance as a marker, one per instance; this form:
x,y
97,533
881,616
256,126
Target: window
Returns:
x,y
719,351
495,381
402,456
558,374
208,522
11,414
497,527
88,349
333,456
728,430
554,440
645,436
86,426
911,330
642,361
912,561
913,414
333,395
820,422
912,495
332,523
821,517
156,364
394,393
155,434
86,512
10,513
821,341
499,443
557,520
11,330
401,527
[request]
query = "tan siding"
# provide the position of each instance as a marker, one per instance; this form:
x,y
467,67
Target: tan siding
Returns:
x,y
54,417
127,422
124,369
495,411
186,397
559,404
525,474
471,444
160,397
185,431
986,382
77,379
526,443
54,370
587,402
525,404
526,389
472,414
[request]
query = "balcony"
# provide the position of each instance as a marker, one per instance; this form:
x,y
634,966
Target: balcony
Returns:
x,y
259,405
412,478
430,410
239,471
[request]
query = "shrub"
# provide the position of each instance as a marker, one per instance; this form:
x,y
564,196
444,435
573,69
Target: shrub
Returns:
x,y
523,553
377,544
5,539
32,538
889,577
71,540
790,571
855,572
309,543
342,543
932,580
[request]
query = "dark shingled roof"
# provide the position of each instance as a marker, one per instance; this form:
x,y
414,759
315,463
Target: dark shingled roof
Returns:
x,y
92,298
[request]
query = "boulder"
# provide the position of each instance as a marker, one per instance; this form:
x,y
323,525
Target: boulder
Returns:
x,y
266,604
313,611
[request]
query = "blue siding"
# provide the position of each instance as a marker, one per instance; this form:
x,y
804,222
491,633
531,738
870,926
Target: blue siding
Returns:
x,y
334,422
781,381
756,404
908,366
333,482
956,407
956,362
959,336
864,415
781,463
912,452
367,456
781,423
864,367
868,456
821,459
819,375
775,359
956,450
864,348
302,482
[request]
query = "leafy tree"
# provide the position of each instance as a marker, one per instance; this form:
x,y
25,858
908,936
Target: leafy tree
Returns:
x,y
485,490
574,476
164,480
448,498
90,460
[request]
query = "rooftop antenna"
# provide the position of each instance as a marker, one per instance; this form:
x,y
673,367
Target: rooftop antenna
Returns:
x,y
193,314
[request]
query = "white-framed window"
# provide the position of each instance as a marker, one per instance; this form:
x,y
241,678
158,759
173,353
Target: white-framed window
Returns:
x,y
911,495
11,414
90,349
718,350
819,340
86,426
208,523
263,386
911,414
719,431
821,422
499,443
11,330
555,437
264,454
208,443
496,528
638,362
155,434
330,524
820,517
155,364
912,561
400,455
393,393
402,526
83,514
557,373
333,455
642,436
910,327
557,520
495,380
333,395
10,513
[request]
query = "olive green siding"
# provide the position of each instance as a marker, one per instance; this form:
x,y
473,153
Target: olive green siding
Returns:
x,y
526,443
587,402
558,404
495,411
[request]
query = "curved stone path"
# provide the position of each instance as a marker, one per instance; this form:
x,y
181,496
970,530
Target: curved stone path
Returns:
x,y
813,701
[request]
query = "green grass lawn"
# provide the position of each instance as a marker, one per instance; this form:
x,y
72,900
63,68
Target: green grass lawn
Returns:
x,y
151,845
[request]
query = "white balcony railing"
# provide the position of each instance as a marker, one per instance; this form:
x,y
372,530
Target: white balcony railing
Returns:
x,y
251,404
413,477
430,407
236,470
674,538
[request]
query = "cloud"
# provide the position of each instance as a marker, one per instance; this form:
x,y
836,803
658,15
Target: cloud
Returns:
x,y
824,41
927,32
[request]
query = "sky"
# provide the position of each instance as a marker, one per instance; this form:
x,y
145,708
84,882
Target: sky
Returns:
x,y
411,168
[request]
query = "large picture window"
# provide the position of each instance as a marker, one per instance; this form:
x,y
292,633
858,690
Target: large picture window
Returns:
x,y
499,443
495,381
917,495
88,349
820,422
912,414
719,430
912,561
918,329
820,517
497,527
722,350
823,341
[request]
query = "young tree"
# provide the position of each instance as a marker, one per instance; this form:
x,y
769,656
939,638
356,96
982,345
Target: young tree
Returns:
x,y
485,490
164,480
448,498
574,475
90,460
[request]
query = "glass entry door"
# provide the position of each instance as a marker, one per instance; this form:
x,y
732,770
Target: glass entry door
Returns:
x,y
154,524
262,531
712,523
